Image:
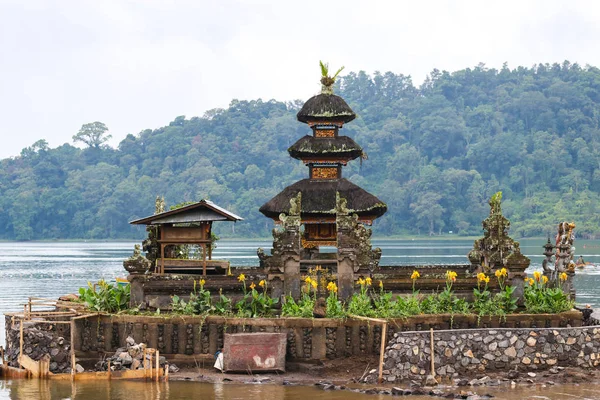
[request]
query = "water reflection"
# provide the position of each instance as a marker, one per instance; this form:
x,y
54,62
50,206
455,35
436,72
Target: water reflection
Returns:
x,y
106,390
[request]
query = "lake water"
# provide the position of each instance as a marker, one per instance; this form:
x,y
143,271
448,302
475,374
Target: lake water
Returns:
x,y
51,269
117,390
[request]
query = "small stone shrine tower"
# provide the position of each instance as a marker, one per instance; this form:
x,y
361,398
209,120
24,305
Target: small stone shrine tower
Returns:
x,y
325,209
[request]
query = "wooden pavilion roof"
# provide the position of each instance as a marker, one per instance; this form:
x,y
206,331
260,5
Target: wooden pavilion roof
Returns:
x,y
202,211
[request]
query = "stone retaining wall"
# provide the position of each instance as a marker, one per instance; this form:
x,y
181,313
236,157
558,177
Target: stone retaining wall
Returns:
x,y
39,339
187,337
459,353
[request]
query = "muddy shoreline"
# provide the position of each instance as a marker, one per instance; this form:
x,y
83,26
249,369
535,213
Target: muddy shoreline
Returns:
x,y
349,374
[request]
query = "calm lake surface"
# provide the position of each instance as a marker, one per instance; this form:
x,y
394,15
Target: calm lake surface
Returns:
x,y
51,269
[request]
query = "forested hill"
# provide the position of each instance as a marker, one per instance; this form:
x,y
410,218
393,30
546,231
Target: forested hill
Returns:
x,y
435,154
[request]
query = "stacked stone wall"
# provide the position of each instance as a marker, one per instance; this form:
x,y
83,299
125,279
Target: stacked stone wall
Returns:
x,y
39,339
459,353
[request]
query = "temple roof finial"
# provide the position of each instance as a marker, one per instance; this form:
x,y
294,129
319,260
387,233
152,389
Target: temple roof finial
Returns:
x,y
326,80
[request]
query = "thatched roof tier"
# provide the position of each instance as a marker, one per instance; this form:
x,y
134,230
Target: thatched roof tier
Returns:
x,y
326,108
318,199
338,147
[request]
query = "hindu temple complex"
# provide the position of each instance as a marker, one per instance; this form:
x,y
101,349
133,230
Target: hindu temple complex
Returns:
x,y
324,209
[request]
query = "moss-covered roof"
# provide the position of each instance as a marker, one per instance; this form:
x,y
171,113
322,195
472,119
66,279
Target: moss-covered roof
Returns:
x,y
318,199
339,146
326,107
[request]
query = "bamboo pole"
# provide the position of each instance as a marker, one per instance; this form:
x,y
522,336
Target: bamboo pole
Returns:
x,y
144,364
2,354
73,361
109,370
25,311
20,343
29,304
157,365
382,351
432,356
384,325
204,259
166,372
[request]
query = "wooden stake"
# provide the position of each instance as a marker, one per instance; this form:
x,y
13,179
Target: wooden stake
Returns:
x,y
20,343
204,259
382,350
432,356
109,370
73,362
166,372
144,364
29,304
157,365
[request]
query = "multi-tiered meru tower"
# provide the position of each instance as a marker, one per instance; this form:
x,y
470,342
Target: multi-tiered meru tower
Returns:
x,y
325,209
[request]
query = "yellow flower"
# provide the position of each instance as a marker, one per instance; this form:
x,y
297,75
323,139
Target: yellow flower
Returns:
x,y
261,283
531,281
308,280
361,281
537,275
381,284
332,287
481,277
415,275
563,276
252,286
451,276
368,281
242,278
501,272
544,279
313,283
318,268
202,282
487,279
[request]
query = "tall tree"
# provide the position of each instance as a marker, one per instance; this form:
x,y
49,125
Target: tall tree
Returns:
x,y
92,134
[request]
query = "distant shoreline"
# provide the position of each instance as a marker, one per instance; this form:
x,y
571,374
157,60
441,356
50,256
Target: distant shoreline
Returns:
x,y
258,239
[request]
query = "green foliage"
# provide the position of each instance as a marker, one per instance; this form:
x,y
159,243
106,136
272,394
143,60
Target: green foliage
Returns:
x,y
105,297
92,134
444,302
223,306
256,303
405,307
437,151
360,303
334,307
542,299
198,303
302,308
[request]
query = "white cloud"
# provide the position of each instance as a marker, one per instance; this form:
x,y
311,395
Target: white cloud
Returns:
x,y
140,63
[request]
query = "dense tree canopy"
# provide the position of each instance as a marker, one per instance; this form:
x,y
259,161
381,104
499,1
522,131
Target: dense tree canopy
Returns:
x,y
435,154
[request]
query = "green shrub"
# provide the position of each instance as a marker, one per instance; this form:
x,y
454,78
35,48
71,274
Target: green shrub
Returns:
x,y
105,297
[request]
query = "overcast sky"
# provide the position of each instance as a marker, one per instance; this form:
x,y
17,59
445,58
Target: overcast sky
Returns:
x,y
138,64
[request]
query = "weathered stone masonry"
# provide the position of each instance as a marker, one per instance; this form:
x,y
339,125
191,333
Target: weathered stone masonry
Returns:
x,y
465,352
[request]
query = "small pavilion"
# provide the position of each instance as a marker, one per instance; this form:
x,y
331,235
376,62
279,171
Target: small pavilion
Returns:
x,y
188,225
